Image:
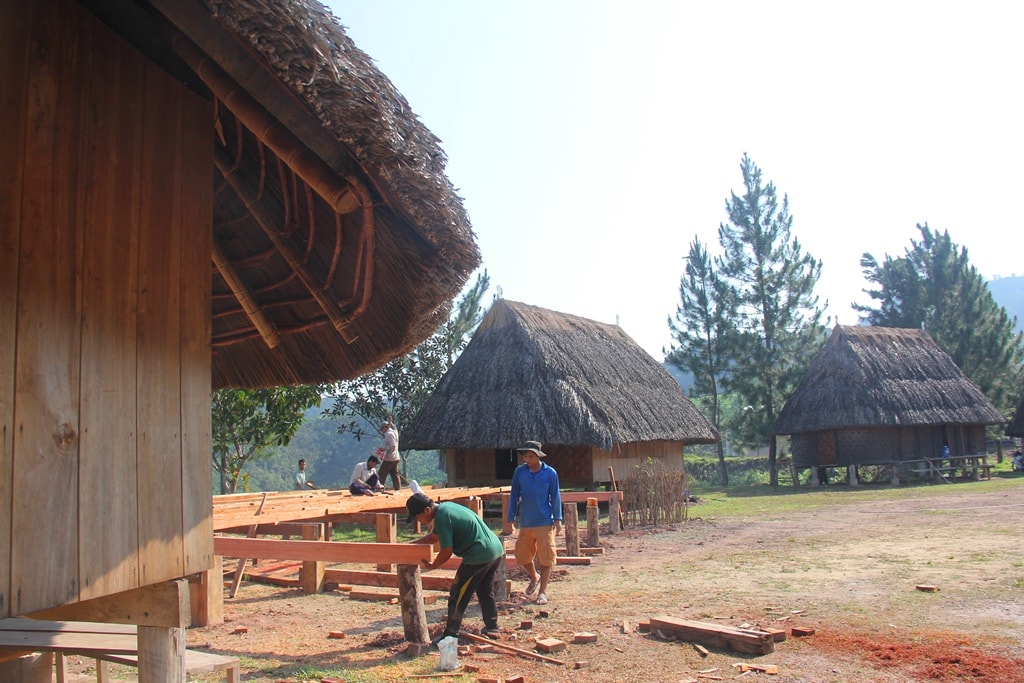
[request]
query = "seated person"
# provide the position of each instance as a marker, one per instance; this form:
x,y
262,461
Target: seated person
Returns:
x,y
365,481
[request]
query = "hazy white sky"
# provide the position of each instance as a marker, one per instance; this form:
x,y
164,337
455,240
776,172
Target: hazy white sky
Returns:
x,y
592,140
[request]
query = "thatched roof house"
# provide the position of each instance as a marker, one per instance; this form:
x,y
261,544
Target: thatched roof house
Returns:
x,y
876,395
193,194
585,389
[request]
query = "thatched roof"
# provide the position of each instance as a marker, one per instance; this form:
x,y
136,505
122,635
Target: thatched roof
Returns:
x,y
883,377
1016,426
339,242
531,373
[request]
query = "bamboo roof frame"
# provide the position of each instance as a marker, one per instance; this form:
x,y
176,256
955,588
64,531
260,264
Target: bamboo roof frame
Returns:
x,y
339,242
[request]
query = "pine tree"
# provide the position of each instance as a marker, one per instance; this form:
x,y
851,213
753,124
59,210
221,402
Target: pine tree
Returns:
x,y
934,287
771,282
701,329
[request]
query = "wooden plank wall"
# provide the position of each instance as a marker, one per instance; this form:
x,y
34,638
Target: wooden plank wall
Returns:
x,y
624,457
105,229
14,23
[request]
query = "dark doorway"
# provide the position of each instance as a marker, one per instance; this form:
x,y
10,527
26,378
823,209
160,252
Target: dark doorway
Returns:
x,y
505,462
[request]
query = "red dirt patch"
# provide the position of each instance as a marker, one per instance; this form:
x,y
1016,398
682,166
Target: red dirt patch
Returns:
x,y
940,658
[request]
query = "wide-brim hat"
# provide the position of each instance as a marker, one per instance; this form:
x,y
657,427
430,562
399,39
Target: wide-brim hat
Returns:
x,y
417,503
533,446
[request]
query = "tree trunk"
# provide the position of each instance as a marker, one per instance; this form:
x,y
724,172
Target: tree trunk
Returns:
x,y
410,593
571,523
721,464
773,465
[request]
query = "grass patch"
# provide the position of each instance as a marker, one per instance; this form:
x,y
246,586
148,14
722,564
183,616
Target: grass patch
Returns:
x,y
761,500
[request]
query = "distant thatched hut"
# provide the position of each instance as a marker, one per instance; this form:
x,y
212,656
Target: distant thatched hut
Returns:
x,y
583,388
879,395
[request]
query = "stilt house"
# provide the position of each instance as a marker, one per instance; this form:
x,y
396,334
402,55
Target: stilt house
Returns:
x,y
880,395
194,194
585,389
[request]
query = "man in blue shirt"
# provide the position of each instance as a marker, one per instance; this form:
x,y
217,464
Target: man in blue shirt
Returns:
x,y
537,501
460,531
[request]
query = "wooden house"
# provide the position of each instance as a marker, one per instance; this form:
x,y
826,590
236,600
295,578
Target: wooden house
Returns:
x,y
585,389
194,194
881,395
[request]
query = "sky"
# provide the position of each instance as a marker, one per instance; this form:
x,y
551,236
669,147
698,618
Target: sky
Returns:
x,y
593,141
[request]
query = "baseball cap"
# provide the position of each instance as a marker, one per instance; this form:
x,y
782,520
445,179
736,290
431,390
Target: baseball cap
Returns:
x,y
417,503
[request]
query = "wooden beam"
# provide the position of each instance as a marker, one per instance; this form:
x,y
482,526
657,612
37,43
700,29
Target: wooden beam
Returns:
x,y
715,635
244,296
326,551
163,604
583,496
241,510
383,580
206,593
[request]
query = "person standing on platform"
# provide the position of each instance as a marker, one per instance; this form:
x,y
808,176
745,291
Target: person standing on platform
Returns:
x,y
390,457
537,501
301,482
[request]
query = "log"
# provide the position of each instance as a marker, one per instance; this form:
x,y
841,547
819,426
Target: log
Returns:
x,y
593,519
571,523
414,615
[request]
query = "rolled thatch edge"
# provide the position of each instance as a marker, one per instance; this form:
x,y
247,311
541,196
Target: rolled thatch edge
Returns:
x,y
306,47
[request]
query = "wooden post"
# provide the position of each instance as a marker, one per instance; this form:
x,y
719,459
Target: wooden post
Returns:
x,y
851,474
32,668
311,576
571,522
501,581
593,519
414,615
387,532
614,514
615,488
161,654
506,526
206,593
476,504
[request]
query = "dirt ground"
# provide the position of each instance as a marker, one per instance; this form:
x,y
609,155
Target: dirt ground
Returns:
x,y
848,569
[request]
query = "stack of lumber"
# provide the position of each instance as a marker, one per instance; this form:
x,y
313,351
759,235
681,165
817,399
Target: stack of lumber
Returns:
x,y
244,509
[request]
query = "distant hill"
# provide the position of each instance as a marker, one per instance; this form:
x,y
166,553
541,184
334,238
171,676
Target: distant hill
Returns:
x,y
1009,293
684,378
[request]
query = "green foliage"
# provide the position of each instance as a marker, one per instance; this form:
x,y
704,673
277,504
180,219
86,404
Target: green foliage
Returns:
x,y
934,287
770,282
399,389
748,323
247,422
330,458
701,329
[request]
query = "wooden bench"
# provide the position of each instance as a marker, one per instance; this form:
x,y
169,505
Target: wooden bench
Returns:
x,y
116,643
